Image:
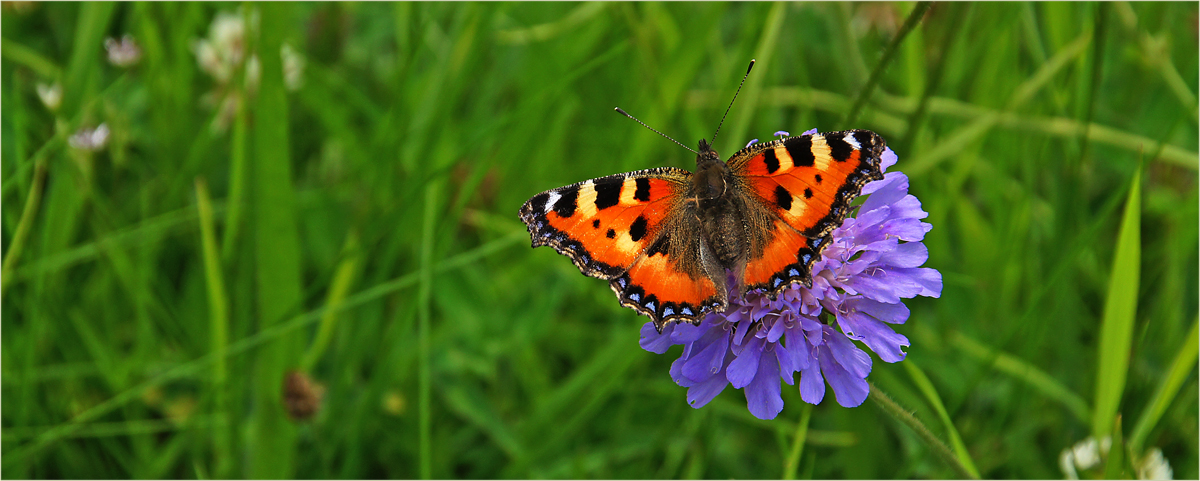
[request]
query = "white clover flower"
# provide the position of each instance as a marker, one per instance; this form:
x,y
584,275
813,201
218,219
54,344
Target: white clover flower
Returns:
x,y
253,73
123,53
1154,466
1066,462
228,36
51,95
1087,453
90,140
293,67
225,55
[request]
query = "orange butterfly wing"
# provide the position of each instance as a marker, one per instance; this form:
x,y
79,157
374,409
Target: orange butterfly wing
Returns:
x,y
808,182
619,228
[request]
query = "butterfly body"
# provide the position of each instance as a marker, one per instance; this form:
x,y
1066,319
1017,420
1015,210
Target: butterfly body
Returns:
x,y
674,245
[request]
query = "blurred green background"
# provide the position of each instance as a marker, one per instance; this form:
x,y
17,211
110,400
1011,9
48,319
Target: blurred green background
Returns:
x,y
346,211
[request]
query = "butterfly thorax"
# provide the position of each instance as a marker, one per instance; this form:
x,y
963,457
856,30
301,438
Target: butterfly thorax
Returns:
x,y
718,208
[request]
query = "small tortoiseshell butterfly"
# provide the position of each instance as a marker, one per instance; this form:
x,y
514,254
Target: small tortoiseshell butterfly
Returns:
x,y
670,242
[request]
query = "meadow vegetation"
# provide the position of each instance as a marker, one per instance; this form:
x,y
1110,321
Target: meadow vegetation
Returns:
x,y
344,208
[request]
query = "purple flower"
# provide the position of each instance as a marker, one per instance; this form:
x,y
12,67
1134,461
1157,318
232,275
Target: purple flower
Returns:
x,y
872,263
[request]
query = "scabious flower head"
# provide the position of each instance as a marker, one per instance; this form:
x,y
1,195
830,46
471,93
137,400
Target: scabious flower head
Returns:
x,y
871,264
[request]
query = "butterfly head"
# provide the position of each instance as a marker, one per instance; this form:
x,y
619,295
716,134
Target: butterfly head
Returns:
x,y
712,176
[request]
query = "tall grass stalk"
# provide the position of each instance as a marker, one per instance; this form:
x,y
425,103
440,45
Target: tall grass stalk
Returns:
x,y
424,290
218,304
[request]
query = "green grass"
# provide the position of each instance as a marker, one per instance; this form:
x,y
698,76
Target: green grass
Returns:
x,y
362,228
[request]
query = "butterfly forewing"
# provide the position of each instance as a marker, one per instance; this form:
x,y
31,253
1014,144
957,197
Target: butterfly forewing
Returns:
x,y
616,228
808,182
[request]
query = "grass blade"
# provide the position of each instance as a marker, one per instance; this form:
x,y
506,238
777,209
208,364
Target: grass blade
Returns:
x,y
17,244
793,459
763,52
343,279
913,17
1181,368
237,180
926,387
218,305
424,290
1024,371
28,57
1120,309
895,411
277,258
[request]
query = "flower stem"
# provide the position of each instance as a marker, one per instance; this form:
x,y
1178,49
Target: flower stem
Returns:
x,y
915,16
793,460
900,414
32,201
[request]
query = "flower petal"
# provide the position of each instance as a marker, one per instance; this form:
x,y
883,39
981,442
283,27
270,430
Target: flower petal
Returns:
x,y
847,355
891,313
707,355
677,373
777,329
797,350
888,159
745,365
787,365
849,389
762,395
875,334
892,188
701,393
654,342
908,254
812,385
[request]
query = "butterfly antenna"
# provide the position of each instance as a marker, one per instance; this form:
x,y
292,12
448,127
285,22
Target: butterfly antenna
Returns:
x,y
735,94
622,112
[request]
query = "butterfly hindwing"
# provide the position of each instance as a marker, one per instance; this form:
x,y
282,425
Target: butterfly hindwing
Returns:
x,y
629,229
808,182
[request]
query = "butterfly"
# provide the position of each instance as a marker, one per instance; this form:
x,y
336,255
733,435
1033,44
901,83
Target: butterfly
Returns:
x,y
673,244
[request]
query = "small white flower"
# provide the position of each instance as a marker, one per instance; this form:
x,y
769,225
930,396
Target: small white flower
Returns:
x,y
228,36
1066,462
210,61
1087,453
293,67
1154,466
51,95
90,139
253,73
123,53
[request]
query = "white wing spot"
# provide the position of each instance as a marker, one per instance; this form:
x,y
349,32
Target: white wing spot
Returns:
x,y
849,138
551,201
